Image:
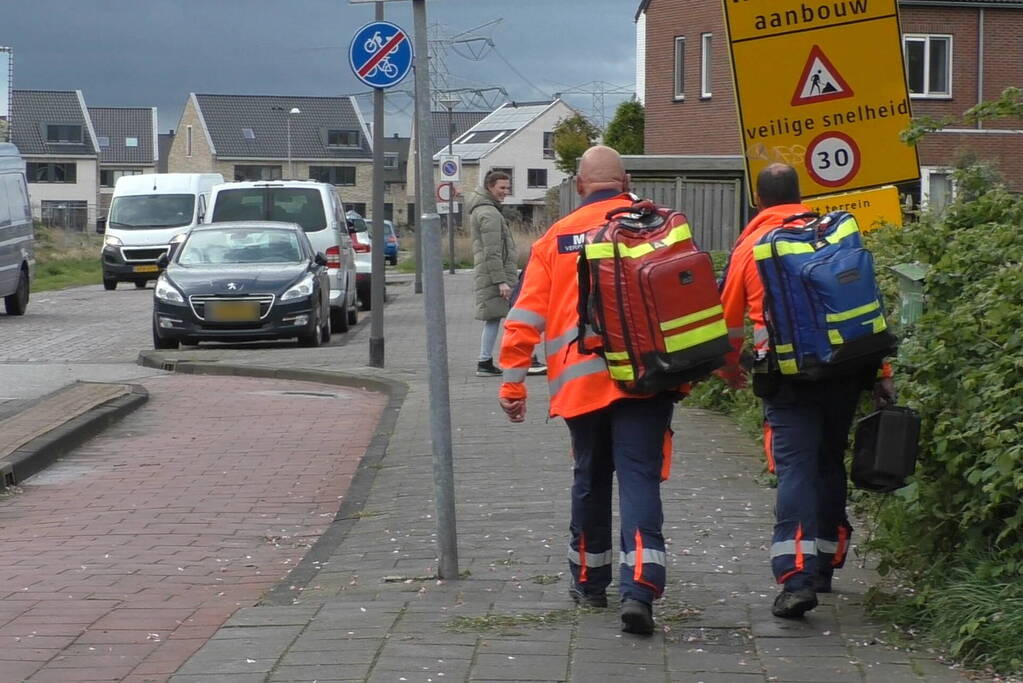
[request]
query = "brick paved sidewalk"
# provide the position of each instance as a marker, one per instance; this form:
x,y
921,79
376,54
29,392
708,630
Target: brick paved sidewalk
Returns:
x,y
373,612
122,559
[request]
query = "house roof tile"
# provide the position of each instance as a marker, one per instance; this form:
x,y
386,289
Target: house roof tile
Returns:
x,y
255,126
460,120
32,110
497,127
115,125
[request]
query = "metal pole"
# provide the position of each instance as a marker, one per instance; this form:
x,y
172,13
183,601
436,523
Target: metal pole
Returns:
x,y
418,166
291,171
376,292
451,201
436,319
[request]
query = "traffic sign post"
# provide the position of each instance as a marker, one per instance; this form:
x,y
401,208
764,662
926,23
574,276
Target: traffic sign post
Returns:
x,y
450,168
380,54
811,94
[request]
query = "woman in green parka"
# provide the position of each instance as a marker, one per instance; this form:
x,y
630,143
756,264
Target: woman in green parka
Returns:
x,y
494,263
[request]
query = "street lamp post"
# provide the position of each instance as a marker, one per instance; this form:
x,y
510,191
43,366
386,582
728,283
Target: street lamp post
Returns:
x,y
450,104
291,170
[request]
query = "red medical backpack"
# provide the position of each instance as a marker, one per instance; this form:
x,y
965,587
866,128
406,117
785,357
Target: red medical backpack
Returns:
x,y
652,297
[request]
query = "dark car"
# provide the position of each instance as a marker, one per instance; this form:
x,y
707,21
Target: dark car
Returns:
x,y
242,281
390,241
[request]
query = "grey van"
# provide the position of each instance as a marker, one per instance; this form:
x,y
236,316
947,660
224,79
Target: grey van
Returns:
x,y
17,238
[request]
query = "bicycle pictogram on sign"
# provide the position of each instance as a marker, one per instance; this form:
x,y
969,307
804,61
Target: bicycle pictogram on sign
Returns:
x,y
380,54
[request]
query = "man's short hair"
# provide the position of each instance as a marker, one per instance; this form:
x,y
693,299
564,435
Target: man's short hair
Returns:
x,y
778,184
493,176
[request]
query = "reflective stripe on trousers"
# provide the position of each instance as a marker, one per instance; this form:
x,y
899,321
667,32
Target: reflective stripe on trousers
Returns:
x,y
626,440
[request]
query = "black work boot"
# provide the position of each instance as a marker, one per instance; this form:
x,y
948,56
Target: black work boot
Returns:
x,y
637,617
793,604
584,599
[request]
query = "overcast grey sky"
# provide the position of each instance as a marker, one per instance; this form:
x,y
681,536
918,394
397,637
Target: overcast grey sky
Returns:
x,y
154,52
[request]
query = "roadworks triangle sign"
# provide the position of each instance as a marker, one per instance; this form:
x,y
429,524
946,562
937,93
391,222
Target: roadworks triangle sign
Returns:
x,y
820,81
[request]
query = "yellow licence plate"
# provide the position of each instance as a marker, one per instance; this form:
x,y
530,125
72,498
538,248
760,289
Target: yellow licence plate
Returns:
x,y
146,269
232,311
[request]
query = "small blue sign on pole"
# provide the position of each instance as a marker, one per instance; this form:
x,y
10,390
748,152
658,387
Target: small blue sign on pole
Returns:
x,y
380,54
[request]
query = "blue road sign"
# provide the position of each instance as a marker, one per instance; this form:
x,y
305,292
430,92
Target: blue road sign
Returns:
x,y
380,54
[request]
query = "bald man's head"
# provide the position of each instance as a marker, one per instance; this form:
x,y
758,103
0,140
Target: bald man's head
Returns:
x,y
601,168
777,184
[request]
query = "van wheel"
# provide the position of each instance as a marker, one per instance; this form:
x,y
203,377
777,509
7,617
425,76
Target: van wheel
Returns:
x,y
325,331
364,297
353,314
339,320
140,284
17,303
109,284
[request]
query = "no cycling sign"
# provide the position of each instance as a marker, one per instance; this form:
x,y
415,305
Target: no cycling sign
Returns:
x,y
811,96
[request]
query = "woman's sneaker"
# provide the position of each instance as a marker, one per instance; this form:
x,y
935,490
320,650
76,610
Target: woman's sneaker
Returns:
x,y
537,367
486,368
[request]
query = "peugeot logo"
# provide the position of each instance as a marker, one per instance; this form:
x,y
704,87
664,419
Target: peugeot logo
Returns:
x,y
231,285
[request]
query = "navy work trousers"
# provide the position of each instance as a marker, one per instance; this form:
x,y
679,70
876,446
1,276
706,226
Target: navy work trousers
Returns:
x,y
627,437
806,434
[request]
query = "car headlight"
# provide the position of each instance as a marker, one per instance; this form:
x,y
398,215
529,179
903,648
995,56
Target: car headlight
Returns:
x,y
302,288
165,291
112,241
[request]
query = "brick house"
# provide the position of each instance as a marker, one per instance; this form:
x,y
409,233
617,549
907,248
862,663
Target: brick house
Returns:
x,y
53,132
955,53
246,137
128,145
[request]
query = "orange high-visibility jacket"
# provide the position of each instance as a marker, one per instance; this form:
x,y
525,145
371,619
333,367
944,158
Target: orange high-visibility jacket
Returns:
x,y
547,305
743,290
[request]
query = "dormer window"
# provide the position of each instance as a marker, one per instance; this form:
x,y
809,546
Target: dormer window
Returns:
x,y
248,134
64,133
342,138
131,142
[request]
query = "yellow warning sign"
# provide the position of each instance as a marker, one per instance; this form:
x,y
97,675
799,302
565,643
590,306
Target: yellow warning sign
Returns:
x,y
820,85
872,208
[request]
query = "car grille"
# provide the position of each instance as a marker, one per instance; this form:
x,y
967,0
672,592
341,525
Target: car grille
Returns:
x,y
198,303
142,254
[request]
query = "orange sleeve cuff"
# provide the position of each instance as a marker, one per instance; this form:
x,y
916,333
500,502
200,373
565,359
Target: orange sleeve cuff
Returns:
x,y
513,390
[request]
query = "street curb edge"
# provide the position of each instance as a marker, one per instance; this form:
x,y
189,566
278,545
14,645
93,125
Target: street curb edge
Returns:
x,y
41,452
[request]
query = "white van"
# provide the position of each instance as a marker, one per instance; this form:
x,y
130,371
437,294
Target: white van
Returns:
x,y
147,212
16,235
317,208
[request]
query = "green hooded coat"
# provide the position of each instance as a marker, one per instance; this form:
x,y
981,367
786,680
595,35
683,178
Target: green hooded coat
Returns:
x,y
494,255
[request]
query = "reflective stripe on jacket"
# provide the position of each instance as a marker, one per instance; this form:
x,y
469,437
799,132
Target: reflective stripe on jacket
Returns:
x,y
547,305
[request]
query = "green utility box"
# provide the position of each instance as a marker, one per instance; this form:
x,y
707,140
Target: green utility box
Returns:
x,y
911,291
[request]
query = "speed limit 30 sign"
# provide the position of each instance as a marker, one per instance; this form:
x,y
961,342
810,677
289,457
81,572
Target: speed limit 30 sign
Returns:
x,y
832,159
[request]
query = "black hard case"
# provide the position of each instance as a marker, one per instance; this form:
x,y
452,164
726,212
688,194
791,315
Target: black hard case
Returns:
x,y
885,449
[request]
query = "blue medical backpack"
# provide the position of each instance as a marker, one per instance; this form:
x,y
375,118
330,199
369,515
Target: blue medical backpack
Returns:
x,y
823,308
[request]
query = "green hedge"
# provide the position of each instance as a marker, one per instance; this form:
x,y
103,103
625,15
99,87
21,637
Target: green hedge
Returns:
x,y
955,534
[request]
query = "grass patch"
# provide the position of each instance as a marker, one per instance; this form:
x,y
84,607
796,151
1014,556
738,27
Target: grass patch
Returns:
x,y
66,259
67,273
508,623
978,620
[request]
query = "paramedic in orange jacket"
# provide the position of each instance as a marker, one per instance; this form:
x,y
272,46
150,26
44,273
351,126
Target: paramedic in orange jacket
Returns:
x,y
611,431
806,424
